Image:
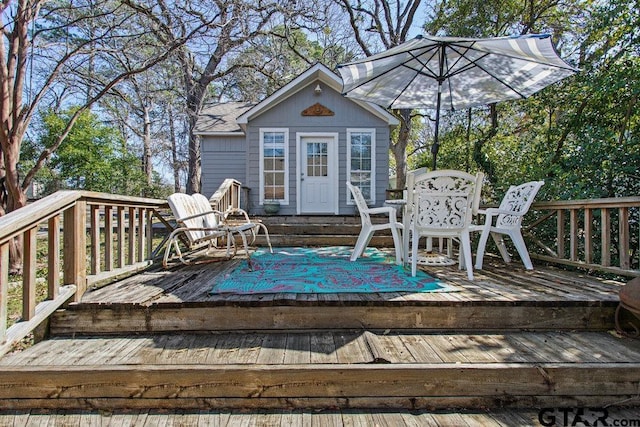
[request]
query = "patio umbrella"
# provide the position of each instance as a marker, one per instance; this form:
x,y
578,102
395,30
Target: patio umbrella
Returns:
x,y
454,73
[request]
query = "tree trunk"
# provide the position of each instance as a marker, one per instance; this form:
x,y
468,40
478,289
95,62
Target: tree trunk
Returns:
x,y
174,151
478,156
15,197
146,156
195,173
399,149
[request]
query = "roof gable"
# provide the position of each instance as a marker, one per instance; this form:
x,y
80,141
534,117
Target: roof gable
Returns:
x,y
316,72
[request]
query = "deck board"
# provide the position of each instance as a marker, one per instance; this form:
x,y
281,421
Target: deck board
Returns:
x,y
333,347
496,282
177,327
344,418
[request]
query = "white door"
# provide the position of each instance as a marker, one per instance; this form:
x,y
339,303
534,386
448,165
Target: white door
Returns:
x,y
318,175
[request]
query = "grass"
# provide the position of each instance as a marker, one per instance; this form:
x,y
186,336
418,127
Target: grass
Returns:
x,y
14,300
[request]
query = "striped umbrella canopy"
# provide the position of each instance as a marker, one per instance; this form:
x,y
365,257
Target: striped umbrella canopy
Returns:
x,y
454,73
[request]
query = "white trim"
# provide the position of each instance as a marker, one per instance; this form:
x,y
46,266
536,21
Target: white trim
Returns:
x,y
286,163
333,163
372,131
213,133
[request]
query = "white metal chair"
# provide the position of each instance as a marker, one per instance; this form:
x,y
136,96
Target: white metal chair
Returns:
x,y
414,181
369,228
508,220
443,203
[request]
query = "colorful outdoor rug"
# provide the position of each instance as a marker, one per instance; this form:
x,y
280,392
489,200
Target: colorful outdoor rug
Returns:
x,y
323,270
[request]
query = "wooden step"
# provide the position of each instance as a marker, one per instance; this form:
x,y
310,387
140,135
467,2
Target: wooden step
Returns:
x,y
501,298
288,314
311,417
320,231
322,369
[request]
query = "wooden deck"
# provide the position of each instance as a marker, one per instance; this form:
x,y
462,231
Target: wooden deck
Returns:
x,y
502,297
303,418
510,339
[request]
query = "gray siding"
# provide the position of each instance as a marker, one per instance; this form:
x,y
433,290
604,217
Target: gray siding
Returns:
x,y
287,114
222,157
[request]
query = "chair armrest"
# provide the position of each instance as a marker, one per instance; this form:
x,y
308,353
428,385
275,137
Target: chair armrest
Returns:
x,y
238,212
385,210
497,211
381,210
198,215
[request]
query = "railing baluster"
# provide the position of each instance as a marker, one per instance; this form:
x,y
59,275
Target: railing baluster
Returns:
x,y
142,214
588,237
4,290
108,238
95,238
75,250
149,233
131,235
53,257
560,232
623,233
573,237
606,237
121,234
29,274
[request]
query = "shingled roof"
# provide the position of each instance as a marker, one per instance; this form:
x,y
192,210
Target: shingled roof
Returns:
x,y
221,118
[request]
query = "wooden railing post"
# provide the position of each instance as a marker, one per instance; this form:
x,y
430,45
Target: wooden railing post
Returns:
x,y
149,233
4,290
560,233
95,238
75,248
606,237
573,231
588,235
53,257
121,234
29,274
108,238
142,213
131,236
623,234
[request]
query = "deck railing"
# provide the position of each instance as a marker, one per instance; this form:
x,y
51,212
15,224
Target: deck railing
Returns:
x,y
227,196
88,238
599,234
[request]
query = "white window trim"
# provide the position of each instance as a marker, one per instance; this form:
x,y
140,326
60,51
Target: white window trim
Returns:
x,y
286,163
372,131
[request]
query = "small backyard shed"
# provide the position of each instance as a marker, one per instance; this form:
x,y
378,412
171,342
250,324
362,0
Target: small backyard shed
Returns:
x,y
298,147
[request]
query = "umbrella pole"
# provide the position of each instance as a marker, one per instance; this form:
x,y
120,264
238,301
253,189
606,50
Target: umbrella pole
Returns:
x,y
436,145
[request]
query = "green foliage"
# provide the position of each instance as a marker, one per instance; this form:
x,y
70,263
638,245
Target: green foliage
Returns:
x,y
273,60
92,157
580,135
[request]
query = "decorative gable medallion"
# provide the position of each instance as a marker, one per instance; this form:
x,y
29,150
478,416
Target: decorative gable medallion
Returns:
x,y
317,109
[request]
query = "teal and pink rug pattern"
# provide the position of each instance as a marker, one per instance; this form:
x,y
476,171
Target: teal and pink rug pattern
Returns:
x,y
323,270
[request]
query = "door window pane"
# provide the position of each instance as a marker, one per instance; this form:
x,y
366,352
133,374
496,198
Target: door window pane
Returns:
x,y
317,158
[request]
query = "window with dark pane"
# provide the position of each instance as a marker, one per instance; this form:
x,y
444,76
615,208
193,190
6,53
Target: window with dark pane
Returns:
x,y
274,165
